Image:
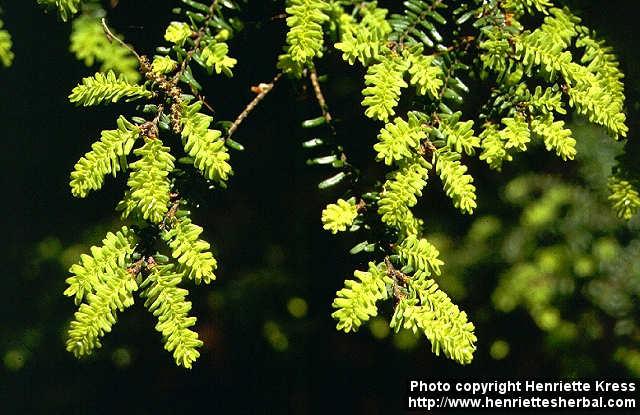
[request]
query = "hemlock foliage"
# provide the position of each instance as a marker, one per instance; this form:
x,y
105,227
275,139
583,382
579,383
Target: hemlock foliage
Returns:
x,y
419,65
106,280
423,53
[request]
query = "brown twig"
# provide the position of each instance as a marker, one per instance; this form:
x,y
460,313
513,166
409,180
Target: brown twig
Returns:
x,y
399,280
313,76
394,273
279,16
113,37
137,267
150,128
170,217
204,102
146,263
264,90
322,103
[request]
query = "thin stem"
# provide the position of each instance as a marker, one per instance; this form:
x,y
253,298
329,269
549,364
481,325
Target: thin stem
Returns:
x,y
113,37
203,99
313,76
198,40
264,90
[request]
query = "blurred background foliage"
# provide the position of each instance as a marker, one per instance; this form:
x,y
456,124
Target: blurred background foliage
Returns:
x,y
546,271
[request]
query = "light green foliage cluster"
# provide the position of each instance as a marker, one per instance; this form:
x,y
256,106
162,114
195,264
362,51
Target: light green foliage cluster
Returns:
x,y
456,182
214,53
305,36
421,54
412,145
516,133
104,88
109,258
428,309
178,32
458,135
555,137
363,40
384,81
149,184
104,284
215,57
163,65
420,257
590,83
205,146
339,216
625,198
192,253
134,259
356,303
440,320
426,73
6,54
107,156
400,193
494,149
400,139
168,303
593,82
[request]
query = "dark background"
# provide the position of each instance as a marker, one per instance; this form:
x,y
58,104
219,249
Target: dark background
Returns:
x,y
265,230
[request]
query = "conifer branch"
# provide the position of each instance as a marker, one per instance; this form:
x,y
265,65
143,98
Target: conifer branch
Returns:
x,y
197,41
195,260
109,88
103,281
356,303
149,184
168,303
305,40
107,156
206,146
428,50
263,91
107,279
